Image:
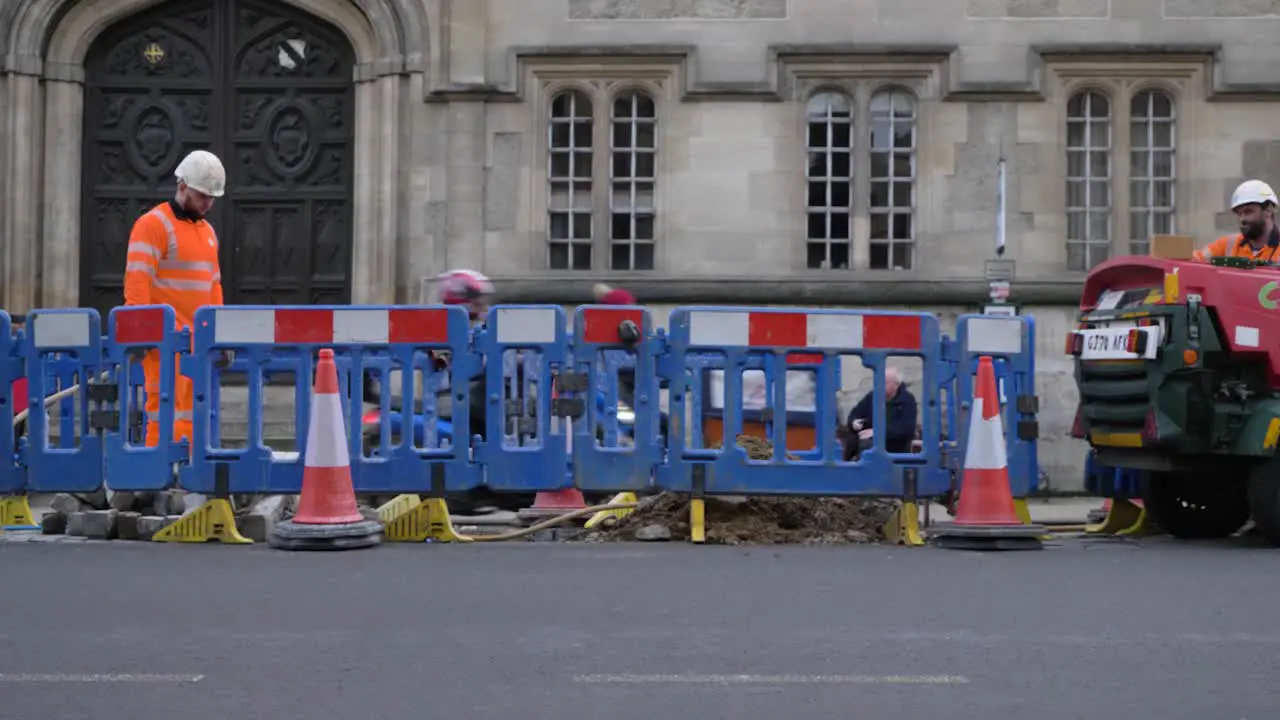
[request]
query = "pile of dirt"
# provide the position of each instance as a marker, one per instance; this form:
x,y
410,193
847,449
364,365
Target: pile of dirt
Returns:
x,y
756,520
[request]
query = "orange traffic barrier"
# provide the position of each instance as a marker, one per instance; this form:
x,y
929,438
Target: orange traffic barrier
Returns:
x,y
985,516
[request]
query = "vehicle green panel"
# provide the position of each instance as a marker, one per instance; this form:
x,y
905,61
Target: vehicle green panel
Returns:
x,y
1252,439
1190,416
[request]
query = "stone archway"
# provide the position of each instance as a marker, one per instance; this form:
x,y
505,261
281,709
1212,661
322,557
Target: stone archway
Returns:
x,y
45,45
263,85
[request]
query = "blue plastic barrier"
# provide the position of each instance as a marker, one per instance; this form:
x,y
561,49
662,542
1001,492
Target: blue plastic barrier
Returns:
x,y
741,333
287,339
129,464
1111,482
71,339
826,385
12,477
422,424
523,449
551,395
608,398
601,348
1010,342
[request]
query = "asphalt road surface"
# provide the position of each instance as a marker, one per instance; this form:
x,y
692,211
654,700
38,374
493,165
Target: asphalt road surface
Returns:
x,y
1104,629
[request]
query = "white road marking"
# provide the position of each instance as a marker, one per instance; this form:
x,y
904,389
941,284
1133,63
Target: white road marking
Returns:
x,y
776,679
96,678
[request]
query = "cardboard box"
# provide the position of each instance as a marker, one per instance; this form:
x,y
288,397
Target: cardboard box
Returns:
x,y
1172,247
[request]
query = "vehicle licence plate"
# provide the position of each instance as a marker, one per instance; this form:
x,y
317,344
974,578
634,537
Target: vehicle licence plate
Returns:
x,y
1112,343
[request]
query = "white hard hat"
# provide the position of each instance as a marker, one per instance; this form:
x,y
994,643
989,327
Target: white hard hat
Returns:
x,y
1253,191
202,171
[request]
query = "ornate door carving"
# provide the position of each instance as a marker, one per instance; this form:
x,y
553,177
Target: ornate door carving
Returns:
x,y
266,88
290,128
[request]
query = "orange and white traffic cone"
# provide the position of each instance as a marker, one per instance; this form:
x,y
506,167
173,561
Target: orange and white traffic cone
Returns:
x,y
986,518
327,517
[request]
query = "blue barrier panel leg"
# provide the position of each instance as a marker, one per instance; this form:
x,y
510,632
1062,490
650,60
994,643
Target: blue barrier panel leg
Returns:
x,y
132,466
15,510
525,447
765,340
903,526
1010,342
267,340
433,457
65,339
616,349
986,517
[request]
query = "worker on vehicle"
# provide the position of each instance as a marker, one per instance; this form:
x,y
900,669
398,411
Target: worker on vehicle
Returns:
x,y
173,260
1254,203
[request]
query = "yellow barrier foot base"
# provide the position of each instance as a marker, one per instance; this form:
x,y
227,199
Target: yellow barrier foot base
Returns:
x,y
1024,514
903,526
1126,519
15,514
697,520
621,498
395,508
1144,526
214,520
424,520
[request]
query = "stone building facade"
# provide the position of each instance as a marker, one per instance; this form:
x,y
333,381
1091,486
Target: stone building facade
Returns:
x,y
840,152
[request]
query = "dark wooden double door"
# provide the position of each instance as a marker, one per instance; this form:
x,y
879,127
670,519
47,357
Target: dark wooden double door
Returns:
x,y
266,88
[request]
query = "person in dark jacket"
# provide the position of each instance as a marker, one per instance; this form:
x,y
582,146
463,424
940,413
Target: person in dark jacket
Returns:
x,y
900,417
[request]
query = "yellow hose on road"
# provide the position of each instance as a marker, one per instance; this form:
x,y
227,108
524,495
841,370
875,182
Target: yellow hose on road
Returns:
x,y
549,522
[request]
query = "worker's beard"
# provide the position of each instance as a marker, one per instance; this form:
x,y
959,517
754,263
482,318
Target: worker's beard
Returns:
x,y
184,201
1253,230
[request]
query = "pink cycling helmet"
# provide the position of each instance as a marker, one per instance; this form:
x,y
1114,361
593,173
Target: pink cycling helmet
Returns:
x,y
462,287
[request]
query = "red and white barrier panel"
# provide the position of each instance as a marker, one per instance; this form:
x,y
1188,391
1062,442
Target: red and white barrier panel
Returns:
x,y
327,326
833,331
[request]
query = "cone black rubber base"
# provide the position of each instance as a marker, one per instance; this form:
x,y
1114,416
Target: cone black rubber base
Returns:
x,y
987,537
347,536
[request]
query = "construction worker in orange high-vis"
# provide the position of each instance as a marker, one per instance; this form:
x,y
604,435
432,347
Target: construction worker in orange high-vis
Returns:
x,y
173,260
1254,203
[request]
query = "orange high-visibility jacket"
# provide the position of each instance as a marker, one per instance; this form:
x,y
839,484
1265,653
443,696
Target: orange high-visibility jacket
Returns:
x,y
1237,246
173,260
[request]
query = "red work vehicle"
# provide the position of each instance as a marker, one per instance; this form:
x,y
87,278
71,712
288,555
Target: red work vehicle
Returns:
x,y
1178,368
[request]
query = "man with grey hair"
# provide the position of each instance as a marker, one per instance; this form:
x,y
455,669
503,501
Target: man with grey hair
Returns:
x,y
900,416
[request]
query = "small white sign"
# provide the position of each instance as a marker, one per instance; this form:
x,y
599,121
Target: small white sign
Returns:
x,y
1247,336
1112,343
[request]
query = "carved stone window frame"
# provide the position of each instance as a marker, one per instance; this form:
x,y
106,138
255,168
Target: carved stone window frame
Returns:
x,y
1120,79
860,78
602,80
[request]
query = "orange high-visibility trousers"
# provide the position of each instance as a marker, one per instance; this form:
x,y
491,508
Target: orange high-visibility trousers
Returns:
x,y
183,400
